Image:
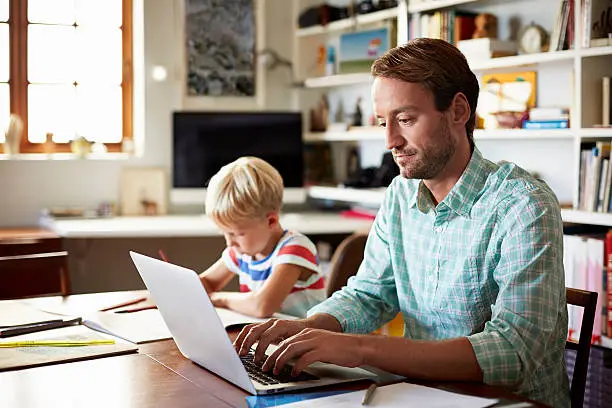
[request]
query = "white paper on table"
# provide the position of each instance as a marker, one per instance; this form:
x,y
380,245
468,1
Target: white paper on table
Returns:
x,y
403,395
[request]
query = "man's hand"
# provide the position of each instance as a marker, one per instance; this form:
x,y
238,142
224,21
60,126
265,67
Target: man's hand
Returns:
x,y
265,333
311,345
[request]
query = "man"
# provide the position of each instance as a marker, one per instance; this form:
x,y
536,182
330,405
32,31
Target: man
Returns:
x,y
470,252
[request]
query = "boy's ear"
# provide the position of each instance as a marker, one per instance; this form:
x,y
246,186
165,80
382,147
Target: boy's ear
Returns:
x,y
273,218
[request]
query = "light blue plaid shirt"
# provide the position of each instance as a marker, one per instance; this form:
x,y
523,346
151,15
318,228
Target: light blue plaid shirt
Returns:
x,y
486,263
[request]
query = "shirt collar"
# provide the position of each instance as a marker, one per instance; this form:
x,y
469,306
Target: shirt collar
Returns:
x,y
462,196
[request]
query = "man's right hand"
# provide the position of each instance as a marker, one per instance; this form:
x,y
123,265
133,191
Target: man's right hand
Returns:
x,y
272,331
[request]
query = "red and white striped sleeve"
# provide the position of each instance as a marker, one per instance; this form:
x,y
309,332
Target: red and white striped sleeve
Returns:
x,y
298,250
230,259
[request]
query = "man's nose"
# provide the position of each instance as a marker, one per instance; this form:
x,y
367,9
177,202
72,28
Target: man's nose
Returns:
x,y
393,138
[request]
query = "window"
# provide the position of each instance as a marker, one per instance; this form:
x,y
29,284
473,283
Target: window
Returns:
x,y
4,67
67,71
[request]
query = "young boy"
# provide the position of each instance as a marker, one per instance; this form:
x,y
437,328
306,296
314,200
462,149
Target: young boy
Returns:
x,y
278,269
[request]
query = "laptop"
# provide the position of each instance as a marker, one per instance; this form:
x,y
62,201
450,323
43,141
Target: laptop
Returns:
x,y
201,337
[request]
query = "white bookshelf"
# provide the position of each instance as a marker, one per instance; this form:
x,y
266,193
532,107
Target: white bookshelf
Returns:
x,y
423,6
517,61
337,80
569,78
522,134
586,217
349,23
370,197
350,135
377,133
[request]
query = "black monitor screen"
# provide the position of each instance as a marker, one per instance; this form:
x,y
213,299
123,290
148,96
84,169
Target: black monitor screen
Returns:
x,y
203,142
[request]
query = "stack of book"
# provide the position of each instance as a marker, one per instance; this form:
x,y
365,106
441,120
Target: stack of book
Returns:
x,y
598,390
547,118
484,48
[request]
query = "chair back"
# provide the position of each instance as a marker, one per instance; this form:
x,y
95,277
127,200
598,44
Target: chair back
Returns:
x,y
31,275
588,301
345,261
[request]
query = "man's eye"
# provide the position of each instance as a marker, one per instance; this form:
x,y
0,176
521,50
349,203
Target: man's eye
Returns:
x,y
382,124
406,121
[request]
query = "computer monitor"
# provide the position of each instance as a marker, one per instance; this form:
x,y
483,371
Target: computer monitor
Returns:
x,y
203,142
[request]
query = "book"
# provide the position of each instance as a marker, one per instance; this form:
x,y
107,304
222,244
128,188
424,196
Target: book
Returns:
x,y
605,101
546,124
25,357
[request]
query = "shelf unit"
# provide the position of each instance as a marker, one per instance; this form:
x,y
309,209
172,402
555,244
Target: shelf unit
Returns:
x,y
348,23
578,73
376,133
417,6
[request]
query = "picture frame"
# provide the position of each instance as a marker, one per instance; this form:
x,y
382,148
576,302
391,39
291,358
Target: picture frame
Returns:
x,y
360,49
220,48
143,191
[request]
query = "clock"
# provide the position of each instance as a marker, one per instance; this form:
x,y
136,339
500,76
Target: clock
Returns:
x,y
532,39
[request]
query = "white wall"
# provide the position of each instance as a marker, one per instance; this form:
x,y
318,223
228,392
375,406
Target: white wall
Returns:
x,y
27,186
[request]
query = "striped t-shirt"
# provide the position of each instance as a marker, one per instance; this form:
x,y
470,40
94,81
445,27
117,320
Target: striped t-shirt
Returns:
x,y
292,248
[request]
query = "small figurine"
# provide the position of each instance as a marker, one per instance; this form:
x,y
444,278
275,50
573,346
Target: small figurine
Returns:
x,y
319,115
358,115
486,26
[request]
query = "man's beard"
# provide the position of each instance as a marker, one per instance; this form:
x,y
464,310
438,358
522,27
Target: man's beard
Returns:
x,y
427,164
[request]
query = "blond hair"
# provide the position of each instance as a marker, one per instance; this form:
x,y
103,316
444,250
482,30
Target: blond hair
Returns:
x,y
246,188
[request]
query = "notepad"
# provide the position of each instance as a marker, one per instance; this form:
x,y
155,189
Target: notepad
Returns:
x,y
22,357
404,395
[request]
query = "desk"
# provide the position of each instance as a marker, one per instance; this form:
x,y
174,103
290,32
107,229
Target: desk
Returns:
x,y
98,248
193,225
157,376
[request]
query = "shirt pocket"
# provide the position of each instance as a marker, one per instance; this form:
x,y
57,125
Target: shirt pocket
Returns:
x,y
460,298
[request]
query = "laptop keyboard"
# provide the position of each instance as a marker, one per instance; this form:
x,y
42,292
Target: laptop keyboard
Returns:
x,y
268,378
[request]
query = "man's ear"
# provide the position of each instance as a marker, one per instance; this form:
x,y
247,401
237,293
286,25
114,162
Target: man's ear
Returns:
x,y
460,109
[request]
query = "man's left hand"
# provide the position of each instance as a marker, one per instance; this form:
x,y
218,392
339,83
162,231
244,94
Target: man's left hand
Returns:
x,y
311,345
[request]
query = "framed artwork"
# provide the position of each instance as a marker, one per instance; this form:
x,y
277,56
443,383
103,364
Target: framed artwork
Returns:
x,y
505,97
143,191
359,50
220,47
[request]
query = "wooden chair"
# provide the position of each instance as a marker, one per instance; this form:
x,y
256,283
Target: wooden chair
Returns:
x,y
345,261
588,301
34,275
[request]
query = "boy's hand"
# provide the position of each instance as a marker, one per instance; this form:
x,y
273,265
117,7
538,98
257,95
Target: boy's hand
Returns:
x,y
273,330
218,299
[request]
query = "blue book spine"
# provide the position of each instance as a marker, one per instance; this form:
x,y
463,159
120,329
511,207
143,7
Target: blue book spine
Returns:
x,y
546,124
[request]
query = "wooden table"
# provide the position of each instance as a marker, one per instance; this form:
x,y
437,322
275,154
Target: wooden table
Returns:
x,y
157,376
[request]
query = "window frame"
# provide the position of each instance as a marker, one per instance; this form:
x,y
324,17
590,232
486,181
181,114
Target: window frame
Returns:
x,y
18,71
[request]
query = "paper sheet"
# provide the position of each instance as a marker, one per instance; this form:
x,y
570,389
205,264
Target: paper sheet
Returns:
x,y
138,327
402,395
23,357
15,312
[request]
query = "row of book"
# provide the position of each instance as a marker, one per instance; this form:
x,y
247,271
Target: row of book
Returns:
x,y
598,390
595,181
562,36
448,25
596,26
584,257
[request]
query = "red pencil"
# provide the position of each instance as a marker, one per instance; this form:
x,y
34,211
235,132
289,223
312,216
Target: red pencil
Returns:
x,y
163,256
137,309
